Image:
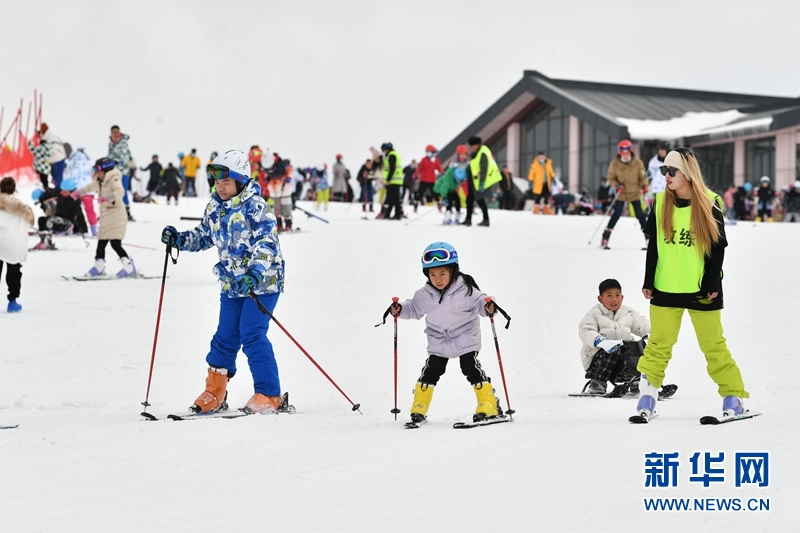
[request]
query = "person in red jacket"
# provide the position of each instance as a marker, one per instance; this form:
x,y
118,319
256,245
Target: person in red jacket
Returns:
x,y
429,169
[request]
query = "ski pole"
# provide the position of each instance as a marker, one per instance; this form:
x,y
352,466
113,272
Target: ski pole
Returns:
x,y
602,219
167,257
510,412
266,311
138,246
395,411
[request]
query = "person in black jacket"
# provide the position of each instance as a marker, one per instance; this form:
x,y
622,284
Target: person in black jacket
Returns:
x,y
155,175
766,196
171,182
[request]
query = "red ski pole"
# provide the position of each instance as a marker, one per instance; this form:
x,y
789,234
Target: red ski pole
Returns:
x,y
510,412
167,257
264,310
395,411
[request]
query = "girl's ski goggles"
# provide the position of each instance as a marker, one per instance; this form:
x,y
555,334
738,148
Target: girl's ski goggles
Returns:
x,y
220,172
438,255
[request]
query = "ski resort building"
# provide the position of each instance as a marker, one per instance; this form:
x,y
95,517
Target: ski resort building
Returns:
x,y
738,137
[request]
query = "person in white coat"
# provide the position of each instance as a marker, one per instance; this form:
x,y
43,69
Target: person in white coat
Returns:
x,y
58,154
113,217
15,219
603,331
657,182
452,305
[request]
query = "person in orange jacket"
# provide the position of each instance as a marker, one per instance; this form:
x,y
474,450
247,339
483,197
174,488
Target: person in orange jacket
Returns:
x,y
541,176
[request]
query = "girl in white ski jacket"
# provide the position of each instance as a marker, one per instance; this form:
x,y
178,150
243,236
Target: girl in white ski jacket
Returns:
x,y
452,305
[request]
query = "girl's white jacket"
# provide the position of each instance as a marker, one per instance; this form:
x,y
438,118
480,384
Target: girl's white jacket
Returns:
x,y
621,325
452,326
15,219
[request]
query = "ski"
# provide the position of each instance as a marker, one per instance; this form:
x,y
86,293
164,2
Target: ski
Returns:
x,y
486,422
713,421
414,425
641,419
309,214
9,427
284,408
106,278
667,391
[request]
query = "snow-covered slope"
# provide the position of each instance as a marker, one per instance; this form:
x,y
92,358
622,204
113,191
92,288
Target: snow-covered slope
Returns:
x,y
75,365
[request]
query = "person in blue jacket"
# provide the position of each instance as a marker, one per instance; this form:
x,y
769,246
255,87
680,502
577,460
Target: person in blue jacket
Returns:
x,y
243,228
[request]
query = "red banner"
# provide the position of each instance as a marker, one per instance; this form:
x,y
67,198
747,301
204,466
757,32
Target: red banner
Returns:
x,y
17,163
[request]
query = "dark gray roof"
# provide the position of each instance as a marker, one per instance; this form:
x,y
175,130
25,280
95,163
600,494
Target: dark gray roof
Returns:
x,y
602,104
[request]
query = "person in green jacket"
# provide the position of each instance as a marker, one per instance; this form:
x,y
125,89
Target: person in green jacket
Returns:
x,y
482,173
684,272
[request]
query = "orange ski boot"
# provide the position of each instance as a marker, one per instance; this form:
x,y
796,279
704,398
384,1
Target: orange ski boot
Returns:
x,y
261,404
213,398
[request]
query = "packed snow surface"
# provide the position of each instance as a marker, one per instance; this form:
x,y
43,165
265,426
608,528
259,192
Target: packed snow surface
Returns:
x,y
76,361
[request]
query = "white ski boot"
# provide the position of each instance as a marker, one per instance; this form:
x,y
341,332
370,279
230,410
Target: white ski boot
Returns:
x,y
99,268
128,268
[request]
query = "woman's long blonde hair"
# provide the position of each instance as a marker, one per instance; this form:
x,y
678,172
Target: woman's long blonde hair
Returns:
x,y
703,225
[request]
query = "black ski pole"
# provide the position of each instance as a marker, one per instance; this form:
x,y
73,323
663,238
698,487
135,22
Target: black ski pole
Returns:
x,y
167,257
266,311
510,412
605,214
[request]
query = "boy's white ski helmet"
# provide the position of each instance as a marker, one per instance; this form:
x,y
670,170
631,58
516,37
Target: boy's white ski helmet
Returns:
x,y
237,164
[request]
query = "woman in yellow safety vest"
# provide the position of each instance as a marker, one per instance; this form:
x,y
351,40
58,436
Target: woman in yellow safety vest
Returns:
x,y
684,271
482,174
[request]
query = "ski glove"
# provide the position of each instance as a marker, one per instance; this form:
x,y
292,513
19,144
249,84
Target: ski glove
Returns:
x,y
606,345
246,282
170,236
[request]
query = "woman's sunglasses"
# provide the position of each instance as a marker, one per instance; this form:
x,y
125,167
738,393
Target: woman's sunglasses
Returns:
x,y
668,170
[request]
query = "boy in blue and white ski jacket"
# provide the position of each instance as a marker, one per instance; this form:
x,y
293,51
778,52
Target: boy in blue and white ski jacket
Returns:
x,y
250,269
244,230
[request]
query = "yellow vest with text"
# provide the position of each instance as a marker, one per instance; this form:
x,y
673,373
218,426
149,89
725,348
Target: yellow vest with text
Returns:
x,y
492,174
680,268
397,178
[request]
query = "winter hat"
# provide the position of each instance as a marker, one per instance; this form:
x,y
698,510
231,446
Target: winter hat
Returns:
x,y
674,159
474,140
44,128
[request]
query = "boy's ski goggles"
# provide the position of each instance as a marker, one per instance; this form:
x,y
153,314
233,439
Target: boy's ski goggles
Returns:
x,y
667,170
439,255
220,172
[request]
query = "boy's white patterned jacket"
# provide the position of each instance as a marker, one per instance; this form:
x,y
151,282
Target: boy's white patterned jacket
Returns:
x,y
244,230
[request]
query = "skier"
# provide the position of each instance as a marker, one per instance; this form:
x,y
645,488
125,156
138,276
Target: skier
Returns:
x,y
607,332
155,169
393,181
765,195
791,203
365,178
482,173
15,219
58,154
279,188
452,304
447,186
243,228
120,153
657,181
627,175
79,169
113,217
429,169
541,176
170,183
684,271
319,179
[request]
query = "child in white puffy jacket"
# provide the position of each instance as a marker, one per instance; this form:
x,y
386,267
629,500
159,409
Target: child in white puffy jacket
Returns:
x,y
604,331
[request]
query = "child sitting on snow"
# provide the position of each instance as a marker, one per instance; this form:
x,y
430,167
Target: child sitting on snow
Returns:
x,y
613,340
452,305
